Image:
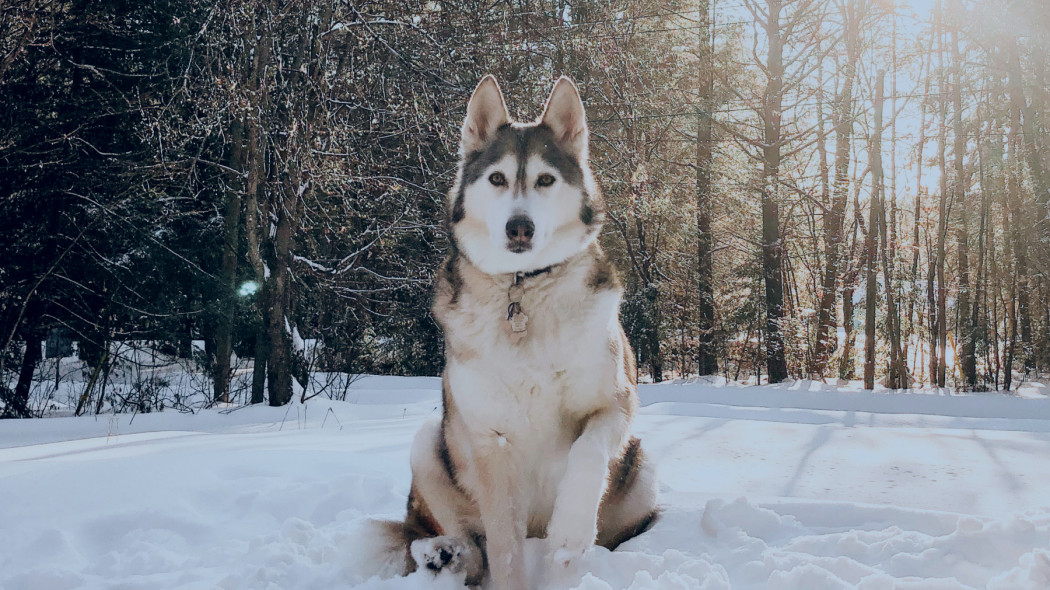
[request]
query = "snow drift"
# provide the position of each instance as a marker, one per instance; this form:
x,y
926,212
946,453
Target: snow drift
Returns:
x,y
798,486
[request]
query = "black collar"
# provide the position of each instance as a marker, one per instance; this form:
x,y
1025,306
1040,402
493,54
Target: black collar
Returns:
x,y
521,276
537,272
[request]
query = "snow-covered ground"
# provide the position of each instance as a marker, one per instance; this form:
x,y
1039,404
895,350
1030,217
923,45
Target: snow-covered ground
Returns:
x,y
802,486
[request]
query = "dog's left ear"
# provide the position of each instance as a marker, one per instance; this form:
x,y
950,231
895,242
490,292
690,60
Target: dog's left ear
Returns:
x,y
565,116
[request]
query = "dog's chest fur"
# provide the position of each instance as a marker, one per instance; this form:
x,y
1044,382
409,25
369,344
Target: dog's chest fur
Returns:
x,y
531,397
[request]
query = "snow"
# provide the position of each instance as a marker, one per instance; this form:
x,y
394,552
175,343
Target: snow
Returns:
x,y
313,265
799,486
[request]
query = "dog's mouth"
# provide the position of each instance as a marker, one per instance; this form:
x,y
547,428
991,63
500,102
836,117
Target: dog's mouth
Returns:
x,y
519,247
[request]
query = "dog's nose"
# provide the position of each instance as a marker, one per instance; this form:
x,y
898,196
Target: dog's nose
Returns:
x,y
520,229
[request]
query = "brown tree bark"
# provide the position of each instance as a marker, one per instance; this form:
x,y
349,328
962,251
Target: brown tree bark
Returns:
x,y
278,305
291,183
256,219
939,348
980,309
847,365
897,376
852,15
707,361
871,240
1025,136
967,348
228,271
913,320
1018,317
1034,151
772,246
100,365
18,405
285,206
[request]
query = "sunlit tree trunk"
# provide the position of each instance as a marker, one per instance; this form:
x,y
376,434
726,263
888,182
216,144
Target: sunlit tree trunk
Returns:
x,y
1018,318
772,245
938,360
917,222
967,348
707,362
852,14
897,377
871,241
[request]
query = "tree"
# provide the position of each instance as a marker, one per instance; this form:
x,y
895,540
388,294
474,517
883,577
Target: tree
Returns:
x,y
853,16
789,33
707,362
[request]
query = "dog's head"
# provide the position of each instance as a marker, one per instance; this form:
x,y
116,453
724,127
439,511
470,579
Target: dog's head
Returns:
x,y
524,197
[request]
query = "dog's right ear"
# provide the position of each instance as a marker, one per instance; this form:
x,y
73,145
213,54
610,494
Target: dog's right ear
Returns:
x,y
486,113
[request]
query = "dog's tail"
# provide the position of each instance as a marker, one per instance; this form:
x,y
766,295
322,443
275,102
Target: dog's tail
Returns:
x,y
384,548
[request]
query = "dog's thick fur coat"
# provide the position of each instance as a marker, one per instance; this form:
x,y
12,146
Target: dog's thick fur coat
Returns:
x,y
534,438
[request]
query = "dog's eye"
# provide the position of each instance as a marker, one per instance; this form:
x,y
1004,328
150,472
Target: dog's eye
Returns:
x,y
497,179
545,180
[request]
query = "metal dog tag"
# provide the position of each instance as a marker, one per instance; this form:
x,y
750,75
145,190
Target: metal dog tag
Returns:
x,y
519,322
515,316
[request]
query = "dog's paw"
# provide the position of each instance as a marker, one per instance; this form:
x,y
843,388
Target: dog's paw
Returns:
x,y
565,550
439,554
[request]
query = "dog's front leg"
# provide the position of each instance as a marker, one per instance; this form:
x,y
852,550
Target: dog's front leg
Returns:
x,y
502,517
574,523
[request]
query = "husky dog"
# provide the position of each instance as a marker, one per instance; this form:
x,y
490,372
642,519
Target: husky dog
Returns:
x,y
539,386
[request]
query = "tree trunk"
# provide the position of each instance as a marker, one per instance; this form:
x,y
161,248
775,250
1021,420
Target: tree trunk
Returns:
x,y
278,309
707,362
897,377
979,311
847,365
772,247
917,223
286,209
938,366
1034,152
834,217
228,276
871,241
106,368
184,337
1022,130
933,319
18,407
256,222
85,396
262,358
1045,290
1015,239
967,356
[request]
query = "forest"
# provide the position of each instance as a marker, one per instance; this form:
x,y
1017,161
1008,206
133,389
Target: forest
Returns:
x,y
255,190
